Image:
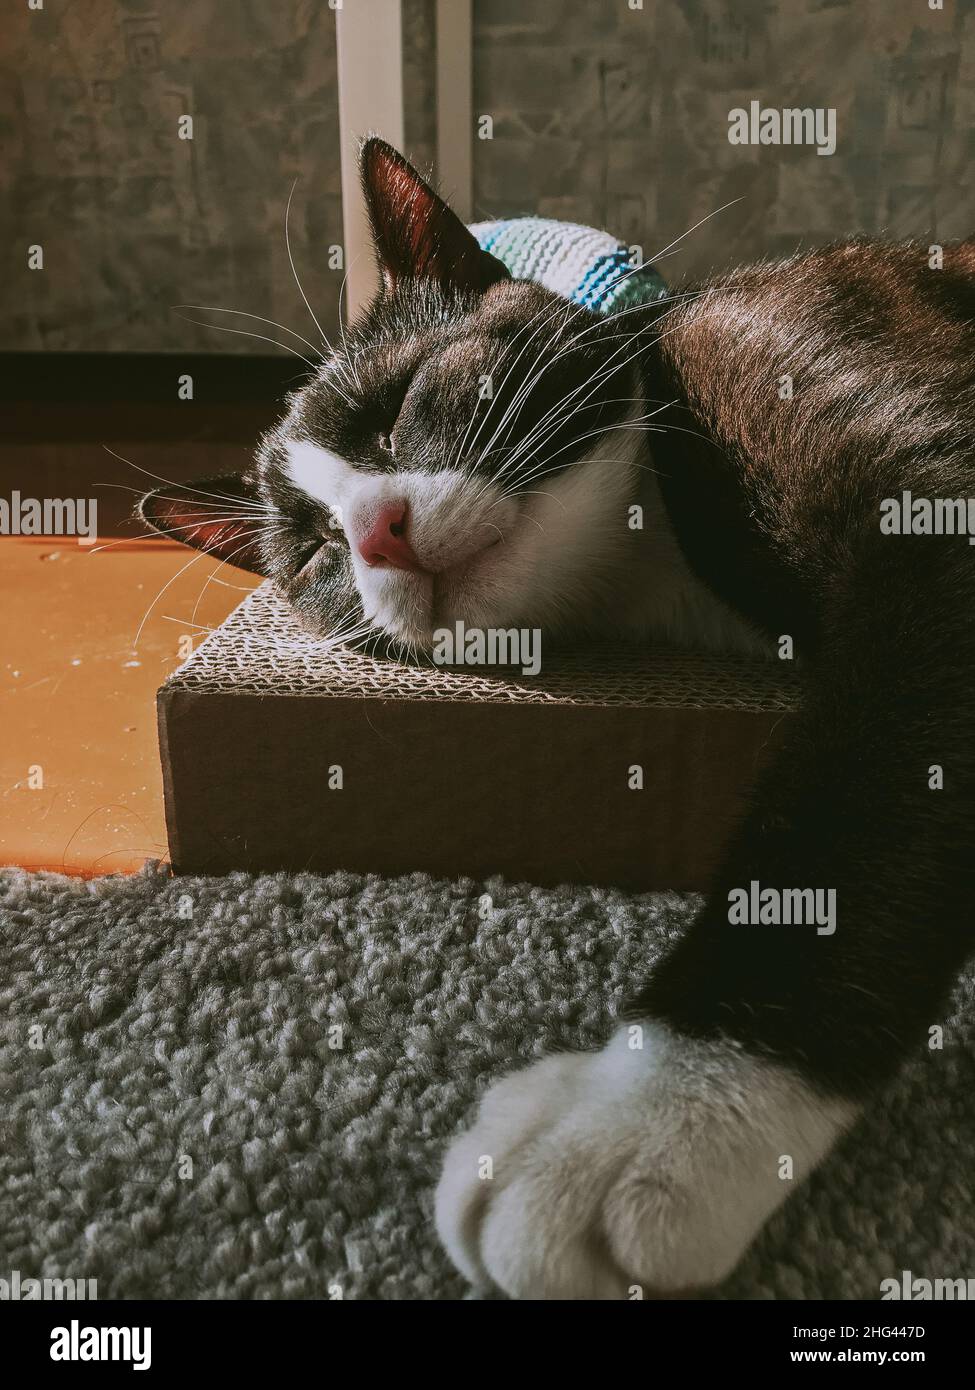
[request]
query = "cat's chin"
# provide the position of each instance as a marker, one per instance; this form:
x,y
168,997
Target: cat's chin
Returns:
x,y
402,637
415,607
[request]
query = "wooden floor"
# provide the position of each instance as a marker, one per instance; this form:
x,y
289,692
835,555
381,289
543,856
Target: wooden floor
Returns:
x,y
89,634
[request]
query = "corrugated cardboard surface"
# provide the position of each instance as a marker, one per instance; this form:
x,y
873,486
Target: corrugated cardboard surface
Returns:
x,y
446,772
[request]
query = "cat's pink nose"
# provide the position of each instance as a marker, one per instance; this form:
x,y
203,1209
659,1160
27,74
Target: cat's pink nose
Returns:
x,y
386,543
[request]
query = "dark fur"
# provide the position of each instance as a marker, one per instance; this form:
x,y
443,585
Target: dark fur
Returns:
x,y
776,506
779,512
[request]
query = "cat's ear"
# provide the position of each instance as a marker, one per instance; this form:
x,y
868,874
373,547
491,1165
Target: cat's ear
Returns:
x,y
415,233
221,516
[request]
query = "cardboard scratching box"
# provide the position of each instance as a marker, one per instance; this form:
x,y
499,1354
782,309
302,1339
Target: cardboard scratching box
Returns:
x,y
281,753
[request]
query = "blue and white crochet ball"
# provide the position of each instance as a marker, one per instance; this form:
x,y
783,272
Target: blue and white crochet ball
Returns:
x,y
581,264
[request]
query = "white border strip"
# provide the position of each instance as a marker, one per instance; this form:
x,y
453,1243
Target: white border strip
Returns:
x,y
455,104
369,43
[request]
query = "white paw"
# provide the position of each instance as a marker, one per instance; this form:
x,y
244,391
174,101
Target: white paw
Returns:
x,y
628,1172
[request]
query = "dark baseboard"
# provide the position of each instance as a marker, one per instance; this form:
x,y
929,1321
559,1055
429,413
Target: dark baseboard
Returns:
x,y
66,417
144,378
65,398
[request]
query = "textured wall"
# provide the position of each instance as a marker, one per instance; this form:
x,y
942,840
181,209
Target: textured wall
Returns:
x,y
602,114
134,220
420,81
619,117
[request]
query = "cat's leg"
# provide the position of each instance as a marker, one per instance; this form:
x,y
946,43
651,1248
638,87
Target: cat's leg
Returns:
x,y
646,1167
656,1161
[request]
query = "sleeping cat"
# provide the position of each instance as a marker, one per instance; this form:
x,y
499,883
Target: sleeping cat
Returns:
x,y
397,496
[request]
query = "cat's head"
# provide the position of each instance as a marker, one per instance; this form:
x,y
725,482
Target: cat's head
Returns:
x,y
463,452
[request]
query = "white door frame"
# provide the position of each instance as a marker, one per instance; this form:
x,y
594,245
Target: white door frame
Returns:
x,y
369,46
455,104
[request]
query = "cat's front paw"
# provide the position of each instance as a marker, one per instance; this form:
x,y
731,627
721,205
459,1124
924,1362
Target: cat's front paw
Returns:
x,y
646,1168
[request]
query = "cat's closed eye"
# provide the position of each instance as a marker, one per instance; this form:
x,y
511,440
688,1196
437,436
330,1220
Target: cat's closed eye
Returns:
x,y
307,556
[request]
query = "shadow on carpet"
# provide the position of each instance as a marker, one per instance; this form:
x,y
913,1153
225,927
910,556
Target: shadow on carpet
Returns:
x,y
241,1087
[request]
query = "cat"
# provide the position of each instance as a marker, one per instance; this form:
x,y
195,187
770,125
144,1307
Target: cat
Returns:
x,y
392,495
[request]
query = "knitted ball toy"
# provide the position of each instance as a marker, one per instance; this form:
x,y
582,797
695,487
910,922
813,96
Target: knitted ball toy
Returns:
x,y
580,263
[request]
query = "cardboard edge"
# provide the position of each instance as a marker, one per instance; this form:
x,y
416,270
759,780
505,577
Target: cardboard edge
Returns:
x,y
166,699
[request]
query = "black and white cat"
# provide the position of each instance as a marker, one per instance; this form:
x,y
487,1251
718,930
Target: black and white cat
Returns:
x,y
392,500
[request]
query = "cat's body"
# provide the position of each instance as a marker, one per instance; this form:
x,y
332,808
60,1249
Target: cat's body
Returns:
x,y
655,1162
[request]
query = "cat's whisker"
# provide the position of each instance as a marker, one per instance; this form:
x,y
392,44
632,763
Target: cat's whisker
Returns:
x,y
243,333
534,372
343,634
608,369
548,428
516,487
228,559
560,411
140,492
328,380
560,306
462,440
215,309
658,255
110,545
682,429
206,513
342,368
184,487
558,422
217,578
200,555
352,623
294,272
673,302
532,380
520,396
171,530
202,627
497,394
204,551
526,516
562,349
576,463
349,357
224,518
668,249
519,476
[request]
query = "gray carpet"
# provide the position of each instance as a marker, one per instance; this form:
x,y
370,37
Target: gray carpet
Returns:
x,y
208,1035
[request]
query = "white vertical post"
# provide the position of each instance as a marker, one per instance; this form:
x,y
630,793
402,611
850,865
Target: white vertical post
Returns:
x,y
369,42
455,104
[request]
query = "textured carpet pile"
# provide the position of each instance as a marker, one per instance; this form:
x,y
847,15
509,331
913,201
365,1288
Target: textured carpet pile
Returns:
x,y
242,1087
